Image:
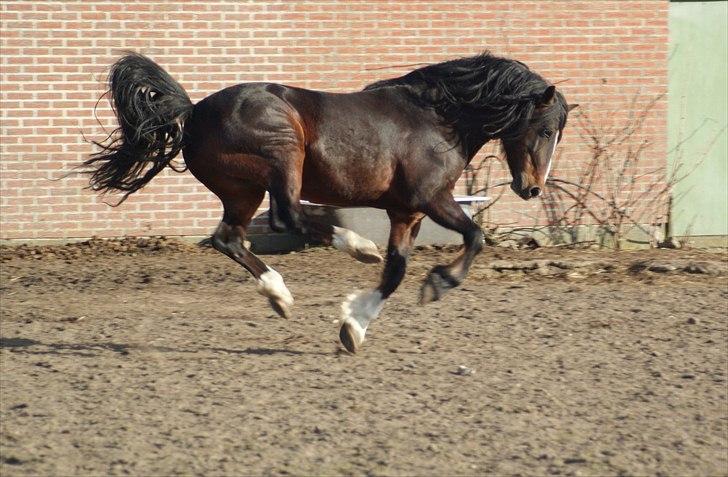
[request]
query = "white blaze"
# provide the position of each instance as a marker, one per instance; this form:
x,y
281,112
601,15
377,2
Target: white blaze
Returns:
x,y
551,156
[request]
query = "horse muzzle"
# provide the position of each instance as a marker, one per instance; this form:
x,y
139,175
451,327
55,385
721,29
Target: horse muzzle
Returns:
x,y
526,193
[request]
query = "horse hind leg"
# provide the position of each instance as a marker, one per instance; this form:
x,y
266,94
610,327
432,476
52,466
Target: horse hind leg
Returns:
x,y
229,239
350,242
286,213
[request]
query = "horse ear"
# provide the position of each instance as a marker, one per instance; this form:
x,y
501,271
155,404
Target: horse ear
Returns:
x,y
571,106
548,95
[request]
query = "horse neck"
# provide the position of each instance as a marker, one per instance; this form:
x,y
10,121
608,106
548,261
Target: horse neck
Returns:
x,y
472,141
463,134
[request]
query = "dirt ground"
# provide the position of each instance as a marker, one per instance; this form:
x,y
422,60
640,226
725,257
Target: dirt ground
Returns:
x,y
154,357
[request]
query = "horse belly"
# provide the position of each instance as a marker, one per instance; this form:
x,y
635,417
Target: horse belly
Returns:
x,y
350,180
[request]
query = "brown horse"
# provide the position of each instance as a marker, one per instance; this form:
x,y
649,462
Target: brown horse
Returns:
x,y
399,145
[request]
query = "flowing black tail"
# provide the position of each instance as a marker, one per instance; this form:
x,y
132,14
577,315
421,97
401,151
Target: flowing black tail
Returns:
x,y
151,109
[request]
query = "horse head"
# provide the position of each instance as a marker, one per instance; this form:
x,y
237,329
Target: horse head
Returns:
x,y
530,154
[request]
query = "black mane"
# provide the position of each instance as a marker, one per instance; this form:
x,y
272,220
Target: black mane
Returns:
x,y
488,94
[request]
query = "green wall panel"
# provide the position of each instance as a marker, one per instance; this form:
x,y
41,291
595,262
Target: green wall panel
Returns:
x,y
698,115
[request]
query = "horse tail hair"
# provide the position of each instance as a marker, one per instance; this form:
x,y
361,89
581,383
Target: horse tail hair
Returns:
x,y
151,109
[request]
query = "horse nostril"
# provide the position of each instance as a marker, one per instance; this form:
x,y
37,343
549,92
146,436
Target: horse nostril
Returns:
x,y
535,191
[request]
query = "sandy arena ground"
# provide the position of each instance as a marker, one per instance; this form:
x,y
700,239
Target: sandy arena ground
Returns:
x,y
159,358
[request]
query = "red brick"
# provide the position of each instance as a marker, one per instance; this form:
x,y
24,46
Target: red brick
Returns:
x,y
55,55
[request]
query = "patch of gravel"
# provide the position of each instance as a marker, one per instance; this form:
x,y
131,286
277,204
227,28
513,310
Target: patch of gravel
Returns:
x,y
560,267
544,262
704,267
168,363
96,247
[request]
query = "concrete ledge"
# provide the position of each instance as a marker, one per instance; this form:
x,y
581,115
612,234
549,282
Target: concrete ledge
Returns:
x,y
705,241
374,224
278,243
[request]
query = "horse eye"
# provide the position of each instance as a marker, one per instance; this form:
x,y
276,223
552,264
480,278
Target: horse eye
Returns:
x,y
547,133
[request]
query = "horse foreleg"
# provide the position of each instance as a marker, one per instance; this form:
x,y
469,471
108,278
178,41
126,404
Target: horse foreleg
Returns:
x,y
447,212
361,308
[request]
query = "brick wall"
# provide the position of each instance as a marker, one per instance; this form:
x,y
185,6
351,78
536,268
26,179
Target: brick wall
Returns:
x,y
55,54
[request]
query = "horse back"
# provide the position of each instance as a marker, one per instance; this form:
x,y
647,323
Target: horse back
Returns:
x,y
351,148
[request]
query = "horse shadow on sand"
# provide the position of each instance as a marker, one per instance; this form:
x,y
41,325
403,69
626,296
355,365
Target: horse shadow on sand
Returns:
x,y
89,350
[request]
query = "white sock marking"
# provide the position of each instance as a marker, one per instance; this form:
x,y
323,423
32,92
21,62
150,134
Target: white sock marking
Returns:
x,y
352,243
271,284
359,309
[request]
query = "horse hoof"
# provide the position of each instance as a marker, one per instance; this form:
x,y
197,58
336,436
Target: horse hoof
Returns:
x,y
358,310
270,285
355,245
429,292
438,282
349,338
368,256
280,308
